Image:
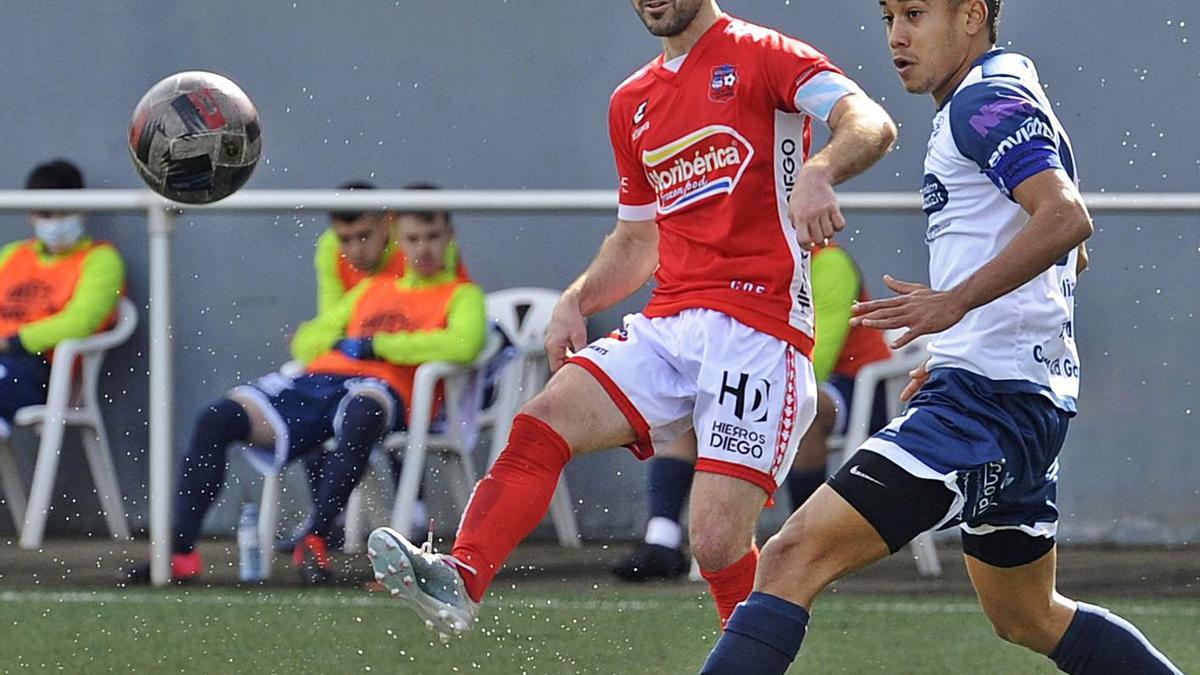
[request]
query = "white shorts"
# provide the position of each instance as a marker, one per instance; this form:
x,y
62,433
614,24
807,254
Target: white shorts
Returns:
x,y
750,396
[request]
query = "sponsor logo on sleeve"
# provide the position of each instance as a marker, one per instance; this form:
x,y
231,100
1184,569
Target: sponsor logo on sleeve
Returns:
x,y
1032,128
705,163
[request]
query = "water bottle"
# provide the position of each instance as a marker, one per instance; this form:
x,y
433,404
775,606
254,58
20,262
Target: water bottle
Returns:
x,y
249,546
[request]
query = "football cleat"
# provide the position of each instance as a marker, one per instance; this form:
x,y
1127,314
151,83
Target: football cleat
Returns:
x,y
311,556
428,581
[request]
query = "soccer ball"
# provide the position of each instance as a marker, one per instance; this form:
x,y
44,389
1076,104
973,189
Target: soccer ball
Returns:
x,y
195,137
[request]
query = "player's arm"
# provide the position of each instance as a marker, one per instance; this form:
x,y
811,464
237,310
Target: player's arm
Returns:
x,y
861,134
1058,224
835,286
459,342
627,259
96,294
318,336
1081,260
329,282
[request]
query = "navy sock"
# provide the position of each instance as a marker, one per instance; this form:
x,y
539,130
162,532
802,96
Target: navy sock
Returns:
x,y
363,425
801,484
314,468
1099,642
763,636
202,469
670,481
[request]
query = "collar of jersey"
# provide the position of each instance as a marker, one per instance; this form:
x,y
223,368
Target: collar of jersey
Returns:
x,y
44,254
983,58
694,53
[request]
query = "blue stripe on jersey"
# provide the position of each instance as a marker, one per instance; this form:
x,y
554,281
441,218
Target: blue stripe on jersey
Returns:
x,y
1004,130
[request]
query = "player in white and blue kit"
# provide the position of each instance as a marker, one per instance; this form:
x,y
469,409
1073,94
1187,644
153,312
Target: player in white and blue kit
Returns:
x,y
979,443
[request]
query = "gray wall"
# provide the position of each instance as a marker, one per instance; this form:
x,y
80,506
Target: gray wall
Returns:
x,y
513,94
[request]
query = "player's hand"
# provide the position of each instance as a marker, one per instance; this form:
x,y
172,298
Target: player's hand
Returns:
x,y
360,348
918,308
917,378
813,209
567,332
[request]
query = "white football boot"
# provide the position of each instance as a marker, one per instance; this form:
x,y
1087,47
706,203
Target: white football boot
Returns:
x,y
428,581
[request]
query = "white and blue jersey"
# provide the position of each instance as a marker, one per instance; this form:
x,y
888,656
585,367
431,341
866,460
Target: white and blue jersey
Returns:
x,y
991,420
997,130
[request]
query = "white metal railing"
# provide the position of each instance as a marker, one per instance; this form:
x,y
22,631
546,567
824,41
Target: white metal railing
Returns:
x,y
160,215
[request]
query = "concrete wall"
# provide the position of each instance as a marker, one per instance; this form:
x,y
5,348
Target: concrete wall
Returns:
x,y
513,94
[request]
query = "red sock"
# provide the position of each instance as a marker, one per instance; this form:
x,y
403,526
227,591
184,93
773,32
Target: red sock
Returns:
x,y
510,500
732,584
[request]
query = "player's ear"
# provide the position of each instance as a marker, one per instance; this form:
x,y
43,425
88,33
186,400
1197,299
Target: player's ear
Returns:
x,y
976,17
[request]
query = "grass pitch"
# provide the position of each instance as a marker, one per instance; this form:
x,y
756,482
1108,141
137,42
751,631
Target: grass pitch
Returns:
x,y
651,629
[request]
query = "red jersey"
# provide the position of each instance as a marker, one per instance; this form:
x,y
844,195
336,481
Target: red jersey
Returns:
x,y
711,153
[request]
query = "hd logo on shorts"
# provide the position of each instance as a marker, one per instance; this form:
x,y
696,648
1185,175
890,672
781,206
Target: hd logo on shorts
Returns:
x,y
703,164
750,399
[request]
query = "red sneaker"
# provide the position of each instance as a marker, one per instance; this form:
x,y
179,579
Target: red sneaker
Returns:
x,y
311,556
184,567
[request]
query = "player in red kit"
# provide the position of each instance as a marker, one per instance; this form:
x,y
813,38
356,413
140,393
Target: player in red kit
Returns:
x,y
720,204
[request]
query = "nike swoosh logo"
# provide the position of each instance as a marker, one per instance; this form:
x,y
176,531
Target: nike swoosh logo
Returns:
x,y
855,471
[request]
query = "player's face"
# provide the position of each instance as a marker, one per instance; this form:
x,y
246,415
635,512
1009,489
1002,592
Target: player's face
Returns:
x,y
667,18
424,242
927,40
364,240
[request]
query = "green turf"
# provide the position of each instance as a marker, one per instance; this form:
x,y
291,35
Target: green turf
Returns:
x,y
650,630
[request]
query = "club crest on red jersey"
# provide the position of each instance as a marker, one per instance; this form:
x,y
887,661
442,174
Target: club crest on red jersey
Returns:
x,y
705,163
723,84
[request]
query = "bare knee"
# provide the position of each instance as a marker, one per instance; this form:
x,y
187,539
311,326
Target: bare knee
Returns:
x,y
1038,630
1017,629
716,547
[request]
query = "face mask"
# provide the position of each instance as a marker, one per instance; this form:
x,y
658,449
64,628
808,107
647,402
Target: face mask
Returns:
x,y
59,232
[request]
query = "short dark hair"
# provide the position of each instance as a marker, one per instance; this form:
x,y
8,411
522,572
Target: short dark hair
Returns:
x,y
994,19
427,216
351,216
57,174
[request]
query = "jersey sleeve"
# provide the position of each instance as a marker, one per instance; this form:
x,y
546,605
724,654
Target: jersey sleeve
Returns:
x,y
329,282
637,199
835,287
802,79
1005,132
317,336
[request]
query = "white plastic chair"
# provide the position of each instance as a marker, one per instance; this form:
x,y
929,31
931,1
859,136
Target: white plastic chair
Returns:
x,y
70,401
893,373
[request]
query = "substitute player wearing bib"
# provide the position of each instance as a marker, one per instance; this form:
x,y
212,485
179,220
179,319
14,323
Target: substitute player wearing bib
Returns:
x,y
979,443
359,245
359,359
59,285
710,138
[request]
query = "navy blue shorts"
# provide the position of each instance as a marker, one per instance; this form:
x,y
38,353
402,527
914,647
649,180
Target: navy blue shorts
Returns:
x,y
306,410
23,382
995,451
841,389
